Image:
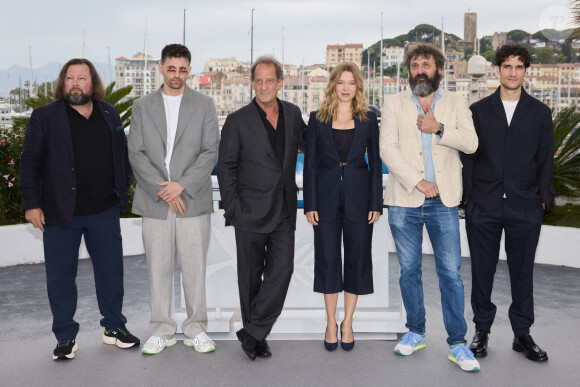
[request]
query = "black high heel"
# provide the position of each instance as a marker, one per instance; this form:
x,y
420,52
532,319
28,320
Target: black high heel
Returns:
x,y
346,346
330,346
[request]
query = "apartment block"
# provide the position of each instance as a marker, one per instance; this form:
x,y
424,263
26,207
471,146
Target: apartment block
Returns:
x,y
141,71
339,53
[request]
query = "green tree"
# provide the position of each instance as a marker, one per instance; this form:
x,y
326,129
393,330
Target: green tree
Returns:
x,y
489,55
547,55
517,35
11,147
566,178
468,52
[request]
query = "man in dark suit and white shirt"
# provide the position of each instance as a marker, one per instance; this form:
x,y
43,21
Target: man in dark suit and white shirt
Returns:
x,y
507,186
256,173
74,177
173,148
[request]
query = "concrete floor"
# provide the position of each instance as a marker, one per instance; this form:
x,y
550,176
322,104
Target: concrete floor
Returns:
x,y
28,341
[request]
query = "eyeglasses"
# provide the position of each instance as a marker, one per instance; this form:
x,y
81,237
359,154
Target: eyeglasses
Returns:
x,y
172,70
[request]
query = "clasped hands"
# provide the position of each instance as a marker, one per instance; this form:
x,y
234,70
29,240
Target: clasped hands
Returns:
x,y
312,217
171,194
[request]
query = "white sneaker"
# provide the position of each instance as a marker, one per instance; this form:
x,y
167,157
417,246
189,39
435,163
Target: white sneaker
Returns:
x,y
156,344
410,343
461,355
201,343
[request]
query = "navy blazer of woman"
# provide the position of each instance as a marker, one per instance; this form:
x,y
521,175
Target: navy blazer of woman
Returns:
x,y
363,183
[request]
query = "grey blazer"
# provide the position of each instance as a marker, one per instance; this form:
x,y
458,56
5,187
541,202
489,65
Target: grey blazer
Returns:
x,y
194,153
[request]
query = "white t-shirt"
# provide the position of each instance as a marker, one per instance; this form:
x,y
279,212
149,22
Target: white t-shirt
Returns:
x,y
510,108
172,104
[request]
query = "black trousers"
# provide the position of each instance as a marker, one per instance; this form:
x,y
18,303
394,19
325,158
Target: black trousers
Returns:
x,y
265,266
358,259
522,231
102,234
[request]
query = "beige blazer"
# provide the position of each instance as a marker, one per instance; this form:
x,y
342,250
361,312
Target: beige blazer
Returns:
x,y
401,148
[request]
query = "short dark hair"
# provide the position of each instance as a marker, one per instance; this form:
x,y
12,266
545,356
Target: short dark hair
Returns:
x,y
97,84
427,51
267,59
508,50
175,51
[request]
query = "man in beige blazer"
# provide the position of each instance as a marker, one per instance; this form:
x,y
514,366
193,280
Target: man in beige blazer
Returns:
x,y
422,132
173,145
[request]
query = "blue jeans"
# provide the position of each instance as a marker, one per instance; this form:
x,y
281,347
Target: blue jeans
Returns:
x,y
443,227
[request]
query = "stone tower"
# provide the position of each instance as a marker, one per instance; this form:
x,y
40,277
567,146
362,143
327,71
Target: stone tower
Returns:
x,y
470,27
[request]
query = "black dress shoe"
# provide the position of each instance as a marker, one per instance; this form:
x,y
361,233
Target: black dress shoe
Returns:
x,y
479,344
331,346
527,345
263,349
346,346
248,343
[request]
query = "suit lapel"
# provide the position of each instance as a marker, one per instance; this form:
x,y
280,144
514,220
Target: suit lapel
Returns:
x,y
521,109
63,125
157,114
185,113
259,131
326,129
359,135
289,134
497,108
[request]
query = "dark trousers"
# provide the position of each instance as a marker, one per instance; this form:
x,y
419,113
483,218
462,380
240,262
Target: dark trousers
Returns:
x,y
358,260
270,255
102,234
522,231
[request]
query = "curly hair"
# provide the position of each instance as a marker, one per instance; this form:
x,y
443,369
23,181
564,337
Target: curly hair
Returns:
x,y
329,105
508,50
97,84
427,51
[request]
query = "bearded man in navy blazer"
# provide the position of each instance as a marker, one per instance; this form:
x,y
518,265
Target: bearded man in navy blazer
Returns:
x,y
507,186
257,177
74,177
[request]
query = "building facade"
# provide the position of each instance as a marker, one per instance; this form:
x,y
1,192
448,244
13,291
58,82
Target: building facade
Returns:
x,y
141,71
338,53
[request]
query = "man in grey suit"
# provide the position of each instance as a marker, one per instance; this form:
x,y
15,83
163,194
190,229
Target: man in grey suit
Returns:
x,y
257,177
173,145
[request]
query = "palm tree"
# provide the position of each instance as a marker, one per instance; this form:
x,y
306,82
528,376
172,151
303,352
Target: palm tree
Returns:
x,y
118,98
566,178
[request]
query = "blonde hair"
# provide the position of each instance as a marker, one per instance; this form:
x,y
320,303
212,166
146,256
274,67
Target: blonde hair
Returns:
x,y
329,106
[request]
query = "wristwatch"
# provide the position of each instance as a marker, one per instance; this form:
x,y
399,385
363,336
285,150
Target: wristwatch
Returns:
x,y
440,130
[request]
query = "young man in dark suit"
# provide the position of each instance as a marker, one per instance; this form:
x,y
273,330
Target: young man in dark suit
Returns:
x,y
74,177
256,173
507,186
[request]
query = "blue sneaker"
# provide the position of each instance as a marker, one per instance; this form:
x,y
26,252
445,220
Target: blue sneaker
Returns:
x,y
410,343
461,355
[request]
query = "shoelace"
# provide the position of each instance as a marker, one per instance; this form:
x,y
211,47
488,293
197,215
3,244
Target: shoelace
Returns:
x,y
160,341
204,338
461,352
410,339
63,343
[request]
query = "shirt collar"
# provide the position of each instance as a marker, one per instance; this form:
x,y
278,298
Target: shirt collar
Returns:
x,y
437,97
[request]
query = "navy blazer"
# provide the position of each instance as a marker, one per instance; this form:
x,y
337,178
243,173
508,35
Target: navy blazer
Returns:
x,y
47,167
250,177
516,160
363,183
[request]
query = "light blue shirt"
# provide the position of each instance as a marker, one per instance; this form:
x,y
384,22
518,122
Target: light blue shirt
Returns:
x,y
426,140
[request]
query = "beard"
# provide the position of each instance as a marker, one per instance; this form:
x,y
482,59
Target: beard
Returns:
x,y
79,98
428,86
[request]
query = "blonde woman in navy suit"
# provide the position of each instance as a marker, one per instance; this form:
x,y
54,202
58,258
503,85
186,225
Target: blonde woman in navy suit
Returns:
x,y
342,196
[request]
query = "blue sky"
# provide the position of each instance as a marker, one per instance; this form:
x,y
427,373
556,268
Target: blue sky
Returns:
x,y
219,28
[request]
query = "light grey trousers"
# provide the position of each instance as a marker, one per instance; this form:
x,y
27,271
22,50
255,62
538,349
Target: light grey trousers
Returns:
x,y
188,239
